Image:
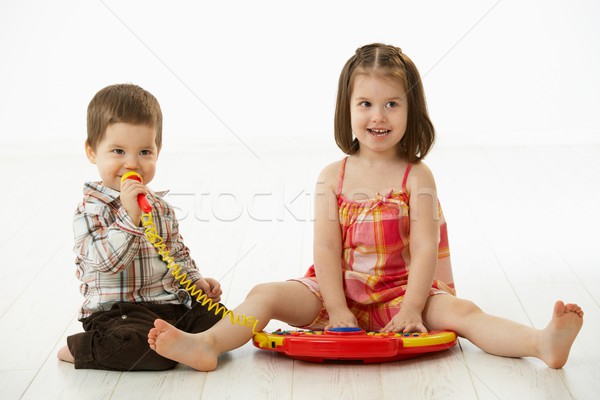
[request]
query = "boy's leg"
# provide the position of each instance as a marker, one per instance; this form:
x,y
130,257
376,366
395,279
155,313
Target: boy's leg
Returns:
x,y
504,337
117,340
291,302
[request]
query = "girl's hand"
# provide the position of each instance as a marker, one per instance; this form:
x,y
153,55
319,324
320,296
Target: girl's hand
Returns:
x,y
130,188
211,287
405,321
342,317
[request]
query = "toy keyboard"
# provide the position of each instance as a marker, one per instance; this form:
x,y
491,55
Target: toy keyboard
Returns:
x,y
353,344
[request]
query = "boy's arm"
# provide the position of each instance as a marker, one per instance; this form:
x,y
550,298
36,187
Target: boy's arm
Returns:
x,y
105,246
179,251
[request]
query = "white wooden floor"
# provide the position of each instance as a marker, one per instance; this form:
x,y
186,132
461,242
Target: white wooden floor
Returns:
x,y
523,225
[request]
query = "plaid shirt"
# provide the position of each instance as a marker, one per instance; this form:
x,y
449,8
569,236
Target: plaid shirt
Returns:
x,y
115,261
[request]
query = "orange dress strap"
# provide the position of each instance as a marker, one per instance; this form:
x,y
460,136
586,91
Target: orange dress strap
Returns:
x,y
339,192
406,178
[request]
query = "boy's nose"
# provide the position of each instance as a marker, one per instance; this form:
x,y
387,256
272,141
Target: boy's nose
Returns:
x,y
131,162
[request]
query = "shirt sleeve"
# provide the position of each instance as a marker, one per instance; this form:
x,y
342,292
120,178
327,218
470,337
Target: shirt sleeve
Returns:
x,y
103,242
179,251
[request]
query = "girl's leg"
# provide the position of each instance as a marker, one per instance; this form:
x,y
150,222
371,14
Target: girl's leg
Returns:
x,y
503,337
291,302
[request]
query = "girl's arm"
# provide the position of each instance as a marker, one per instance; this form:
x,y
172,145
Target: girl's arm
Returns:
x,y
328,248
423,245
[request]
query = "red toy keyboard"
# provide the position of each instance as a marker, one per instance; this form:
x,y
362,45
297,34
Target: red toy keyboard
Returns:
x,y
353,344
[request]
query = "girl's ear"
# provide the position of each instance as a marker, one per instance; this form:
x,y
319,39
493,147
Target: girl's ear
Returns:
x,y
90,153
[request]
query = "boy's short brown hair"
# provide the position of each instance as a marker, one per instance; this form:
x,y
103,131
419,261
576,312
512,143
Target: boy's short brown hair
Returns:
x,y
122,103
390,62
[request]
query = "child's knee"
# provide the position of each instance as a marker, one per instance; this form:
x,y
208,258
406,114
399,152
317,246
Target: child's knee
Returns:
x,y
465,308
263,291
270,295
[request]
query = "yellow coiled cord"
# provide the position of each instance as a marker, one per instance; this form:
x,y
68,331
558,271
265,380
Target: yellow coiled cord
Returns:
x,y
181,277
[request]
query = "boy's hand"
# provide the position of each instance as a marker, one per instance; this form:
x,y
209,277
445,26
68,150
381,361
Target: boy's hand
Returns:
x,y
211,287
406,320
130,188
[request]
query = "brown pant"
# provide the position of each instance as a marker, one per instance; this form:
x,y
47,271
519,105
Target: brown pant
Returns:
x,y
117,339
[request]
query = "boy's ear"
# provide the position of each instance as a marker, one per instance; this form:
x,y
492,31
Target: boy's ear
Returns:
x,y
90,153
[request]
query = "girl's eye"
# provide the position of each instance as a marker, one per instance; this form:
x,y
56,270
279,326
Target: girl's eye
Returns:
x,y
119,151
364,104
145,152
391,104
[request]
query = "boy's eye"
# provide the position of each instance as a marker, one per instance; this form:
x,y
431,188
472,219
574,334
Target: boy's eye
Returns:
x,y
119,151
145,152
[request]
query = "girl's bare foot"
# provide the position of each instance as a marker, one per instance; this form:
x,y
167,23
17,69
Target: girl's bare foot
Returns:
x,y
557,338
194,350
64,354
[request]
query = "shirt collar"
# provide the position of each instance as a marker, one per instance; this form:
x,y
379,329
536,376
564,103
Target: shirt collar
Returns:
x,y
108,195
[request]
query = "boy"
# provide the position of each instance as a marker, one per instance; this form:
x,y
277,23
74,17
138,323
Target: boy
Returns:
x,y
125,283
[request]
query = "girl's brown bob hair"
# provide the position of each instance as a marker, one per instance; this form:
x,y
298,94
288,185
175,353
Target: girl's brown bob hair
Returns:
x,y
390,62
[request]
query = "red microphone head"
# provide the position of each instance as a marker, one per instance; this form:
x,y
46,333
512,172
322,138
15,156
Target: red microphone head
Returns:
x,y
132,175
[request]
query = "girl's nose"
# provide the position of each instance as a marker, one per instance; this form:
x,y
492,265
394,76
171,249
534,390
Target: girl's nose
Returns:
x,y
378,114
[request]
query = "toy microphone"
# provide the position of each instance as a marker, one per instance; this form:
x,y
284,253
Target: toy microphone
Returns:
x,y
142,199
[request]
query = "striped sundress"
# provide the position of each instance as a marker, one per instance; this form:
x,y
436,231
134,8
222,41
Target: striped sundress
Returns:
x,y
376,257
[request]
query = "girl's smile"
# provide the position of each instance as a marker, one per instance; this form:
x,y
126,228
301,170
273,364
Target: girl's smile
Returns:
x,y
378,132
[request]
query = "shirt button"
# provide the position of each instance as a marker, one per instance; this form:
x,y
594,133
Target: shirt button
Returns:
x,y
123,316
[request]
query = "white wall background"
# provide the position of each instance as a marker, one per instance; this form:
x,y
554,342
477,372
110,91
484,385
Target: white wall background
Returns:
x,y
496,72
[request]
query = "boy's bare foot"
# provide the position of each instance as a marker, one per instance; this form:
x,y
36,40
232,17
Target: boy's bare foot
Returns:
x,y
558,336
64,354
194,350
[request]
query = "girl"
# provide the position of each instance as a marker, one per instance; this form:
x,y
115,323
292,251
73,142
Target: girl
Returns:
x,y
381,258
